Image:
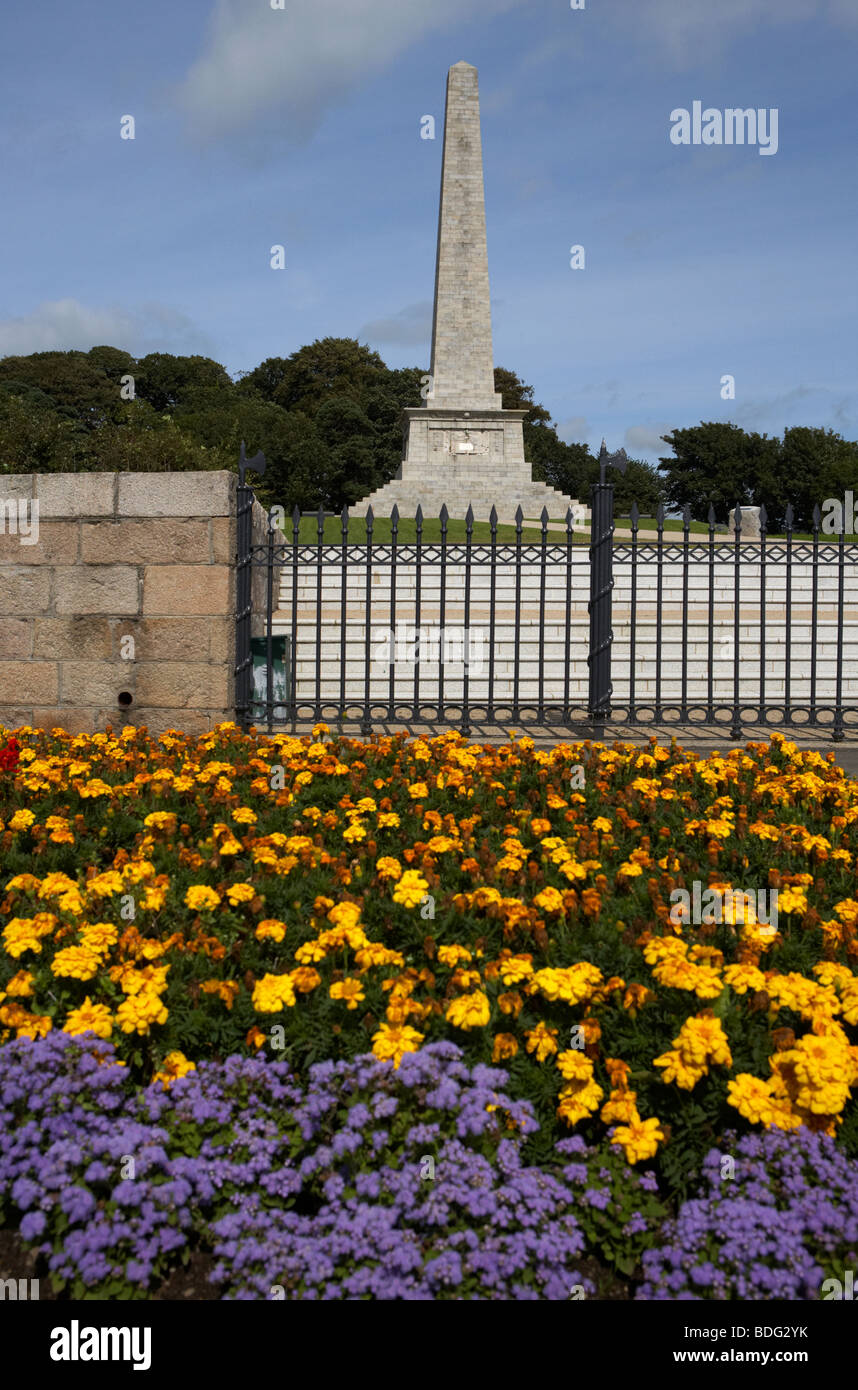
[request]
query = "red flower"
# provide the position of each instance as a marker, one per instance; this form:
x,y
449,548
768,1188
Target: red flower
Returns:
x,y
9,756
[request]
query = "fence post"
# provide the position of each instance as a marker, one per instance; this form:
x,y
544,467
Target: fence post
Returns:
x,y
601,585
243,603
244,585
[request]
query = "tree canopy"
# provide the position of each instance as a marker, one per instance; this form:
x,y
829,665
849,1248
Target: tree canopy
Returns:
x,y
328,419
722,465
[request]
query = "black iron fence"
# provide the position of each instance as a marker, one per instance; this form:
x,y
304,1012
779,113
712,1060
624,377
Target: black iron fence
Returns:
x,y
730,631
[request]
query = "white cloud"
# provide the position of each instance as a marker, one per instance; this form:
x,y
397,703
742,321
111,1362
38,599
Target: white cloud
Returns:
x,y
694,29
646,438
411,327
575,430
63,324
301,61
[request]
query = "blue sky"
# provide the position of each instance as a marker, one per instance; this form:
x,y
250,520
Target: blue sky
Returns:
x,y
301,126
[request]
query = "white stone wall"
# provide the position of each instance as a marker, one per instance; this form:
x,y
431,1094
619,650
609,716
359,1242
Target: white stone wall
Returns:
x,y
549,657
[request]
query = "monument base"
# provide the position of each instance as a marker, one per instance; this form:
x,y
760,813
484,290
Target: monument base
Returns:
x,y
467,457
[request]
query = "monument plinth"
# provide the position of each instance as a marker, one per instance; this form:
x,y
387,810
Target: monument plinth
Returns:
x,y
461,447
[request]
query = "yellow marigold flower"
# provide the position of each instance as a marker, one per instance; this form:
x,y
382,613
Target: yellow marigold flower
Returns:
x,y
375,954
165,821
27,883
417,790
764,831
21,985
703,1040
828,972
635,997
511,1003
849,1002
94,788
574,872
175,1064
572,984
273,993
465,979
753,1099
337,937
469,1011
661,947
392,1041
310,952
345,915
639,1139
683,974
620,1108
541,1040
515,969
388,868
354,833
602,824
578,1100
792,900
99,936
90,1018
53,885
270,930
743,977
629,870
441,844
573,1065
33,1026
678,1070
505,1046
240,893
244,816
226,990
265,855
410,889
76,963
549,900
138,1012
200,898
485,897
818,1073
451,955
349,989
72,902
388,820
255,1037
20,935
22,820
305,978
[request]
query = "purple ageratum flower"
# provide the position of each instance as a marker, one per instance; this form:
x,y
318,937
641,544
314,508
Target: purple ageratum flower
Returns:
x,y
484,1227
597,1197
32,1225
764,1234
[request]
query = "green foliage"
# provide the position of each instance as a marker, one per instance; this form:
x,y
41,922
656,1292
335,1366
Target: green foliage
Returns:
x,y
329,420
722,464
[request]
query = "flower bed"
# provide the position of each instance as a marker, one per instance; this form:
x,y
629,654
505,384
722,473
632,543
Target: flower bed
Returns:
x,y
368,1181
315,900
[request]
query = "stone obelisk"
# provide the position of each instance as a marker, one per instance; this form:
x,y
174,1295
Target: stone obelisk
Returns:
x,y
462,369
460,446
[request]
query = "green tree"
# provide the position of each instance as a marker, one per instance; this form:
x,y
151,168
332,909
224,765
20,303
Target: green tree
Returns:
x,y
517,395
325,368
721,464
35,438
166,381
79,389
814,464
